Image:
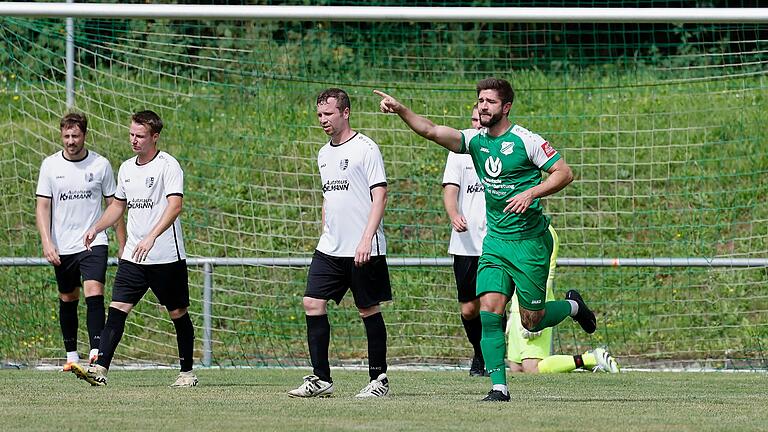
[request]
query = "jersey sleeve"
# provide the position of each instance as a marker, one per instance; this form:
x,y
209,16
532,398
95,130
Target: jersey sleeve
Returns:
x,y
466,138
108,185
120,189
540,152
44,182
452,173
374,167
174,179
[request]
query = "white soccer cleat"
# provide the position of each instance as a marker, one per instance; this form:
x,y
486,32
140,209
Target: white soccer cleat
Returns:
x,y
376,388
95,375
605,361
312,387
185,379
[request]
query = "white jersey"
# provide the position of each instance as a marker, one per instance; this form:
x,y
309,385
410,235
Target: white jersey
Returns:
x,y
349,171
460,171
76,190
146,189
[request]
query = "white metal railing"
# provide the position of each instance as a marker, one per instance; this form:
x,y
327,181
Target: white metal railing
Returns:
x,y
208,270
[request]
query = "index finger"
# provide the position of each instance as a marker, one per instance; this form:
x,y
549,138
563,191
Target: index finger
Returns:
x,y
380,93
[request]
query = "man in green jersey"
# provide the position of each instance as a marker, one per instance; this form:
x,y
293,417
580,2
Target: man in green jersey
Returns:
x,y
517,248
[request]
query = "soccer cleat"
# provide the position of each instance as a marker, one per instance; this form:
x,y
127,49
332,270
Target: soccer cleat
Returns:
x,y
496,396
605,361
68,367
477,369
312,387
376,388
95,375
185,379
584,316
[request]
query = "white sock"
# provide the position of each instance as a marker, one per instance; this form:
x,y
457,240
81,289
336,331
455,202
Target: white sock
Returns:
x,y
94,353
72,357
574,307
502,388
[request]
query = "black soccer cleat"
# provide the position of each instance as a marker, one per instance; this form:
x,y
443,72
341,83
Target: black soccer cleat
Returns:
x,y
584,316
496,396
477,369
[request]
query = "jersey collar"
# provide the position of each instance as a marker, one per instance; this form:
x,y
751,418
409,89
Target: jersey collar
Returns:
x,y
75,160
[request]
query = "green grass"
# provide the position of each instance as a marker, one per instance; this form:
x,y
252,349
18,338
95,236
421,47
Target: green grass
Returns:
x,y
255,399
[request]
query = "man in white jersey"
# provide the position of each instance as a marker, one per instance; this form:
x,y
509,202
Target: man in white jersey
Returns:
x,y
72,184
151,186
351,252
518,246
465,204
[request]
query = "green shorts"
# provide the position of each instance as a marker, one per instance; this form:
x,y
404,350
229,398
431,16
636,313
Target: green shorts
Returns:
x,y
521,266
519,347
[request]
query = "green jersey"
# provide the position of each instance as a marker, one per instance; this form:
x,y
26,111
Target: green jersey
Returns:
x,y
508,165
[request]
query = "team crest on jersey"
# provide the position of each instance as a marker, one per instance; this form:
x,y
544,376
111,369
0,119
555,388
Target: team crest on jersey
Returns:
x,y
343,164
548,149
150,181
507,148
88,177
493,166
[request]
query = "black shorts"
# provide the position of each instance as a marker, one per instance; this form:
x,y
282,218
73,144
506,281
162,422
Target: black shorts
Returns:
x,y
465,270
169,282
85,265
330,277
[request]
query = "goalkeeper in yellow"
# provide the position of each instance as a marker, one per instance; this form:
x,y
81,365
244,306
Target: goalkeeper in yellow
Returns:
x,y
518,245
529,352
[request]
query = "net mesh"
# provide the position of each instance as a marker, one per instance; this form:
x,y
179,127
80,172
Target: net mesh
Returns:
x,y
662,125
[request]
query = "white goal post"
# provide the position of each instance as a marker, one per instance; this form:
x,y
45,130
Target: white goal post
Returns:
x,y
389,14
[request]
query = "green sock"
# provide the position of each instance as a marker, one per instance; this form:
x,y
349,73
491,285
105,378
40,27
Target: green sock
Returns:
x,y
554,312
557,364
494,346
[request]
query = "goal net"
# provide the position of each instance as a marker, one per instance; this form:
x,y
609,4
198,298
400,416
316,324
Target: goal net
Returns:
x,y
663,125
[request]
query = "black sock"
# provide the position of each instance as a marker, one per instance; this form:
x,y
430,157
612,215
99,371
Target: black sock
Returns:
x,y
68,323
110,336
185,338
578,361
377,344
318,339
95,318
474,329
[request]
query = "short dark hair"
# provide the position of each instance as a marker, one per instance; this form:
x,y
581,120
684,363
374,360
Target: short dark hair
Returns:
x,y
148,119
503,88
74,119
342,98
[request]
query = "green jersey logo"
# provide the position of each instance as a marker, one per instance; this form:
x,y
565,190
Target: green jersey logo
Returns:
x,y
507,148
493,166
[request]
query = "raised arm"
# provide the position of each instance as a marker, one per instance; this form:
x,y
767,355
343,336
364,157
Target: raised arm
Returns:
x,y
447,137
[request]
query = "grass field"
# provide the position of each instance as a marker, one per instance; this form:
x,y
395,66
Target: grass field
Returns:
x,y
255,399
